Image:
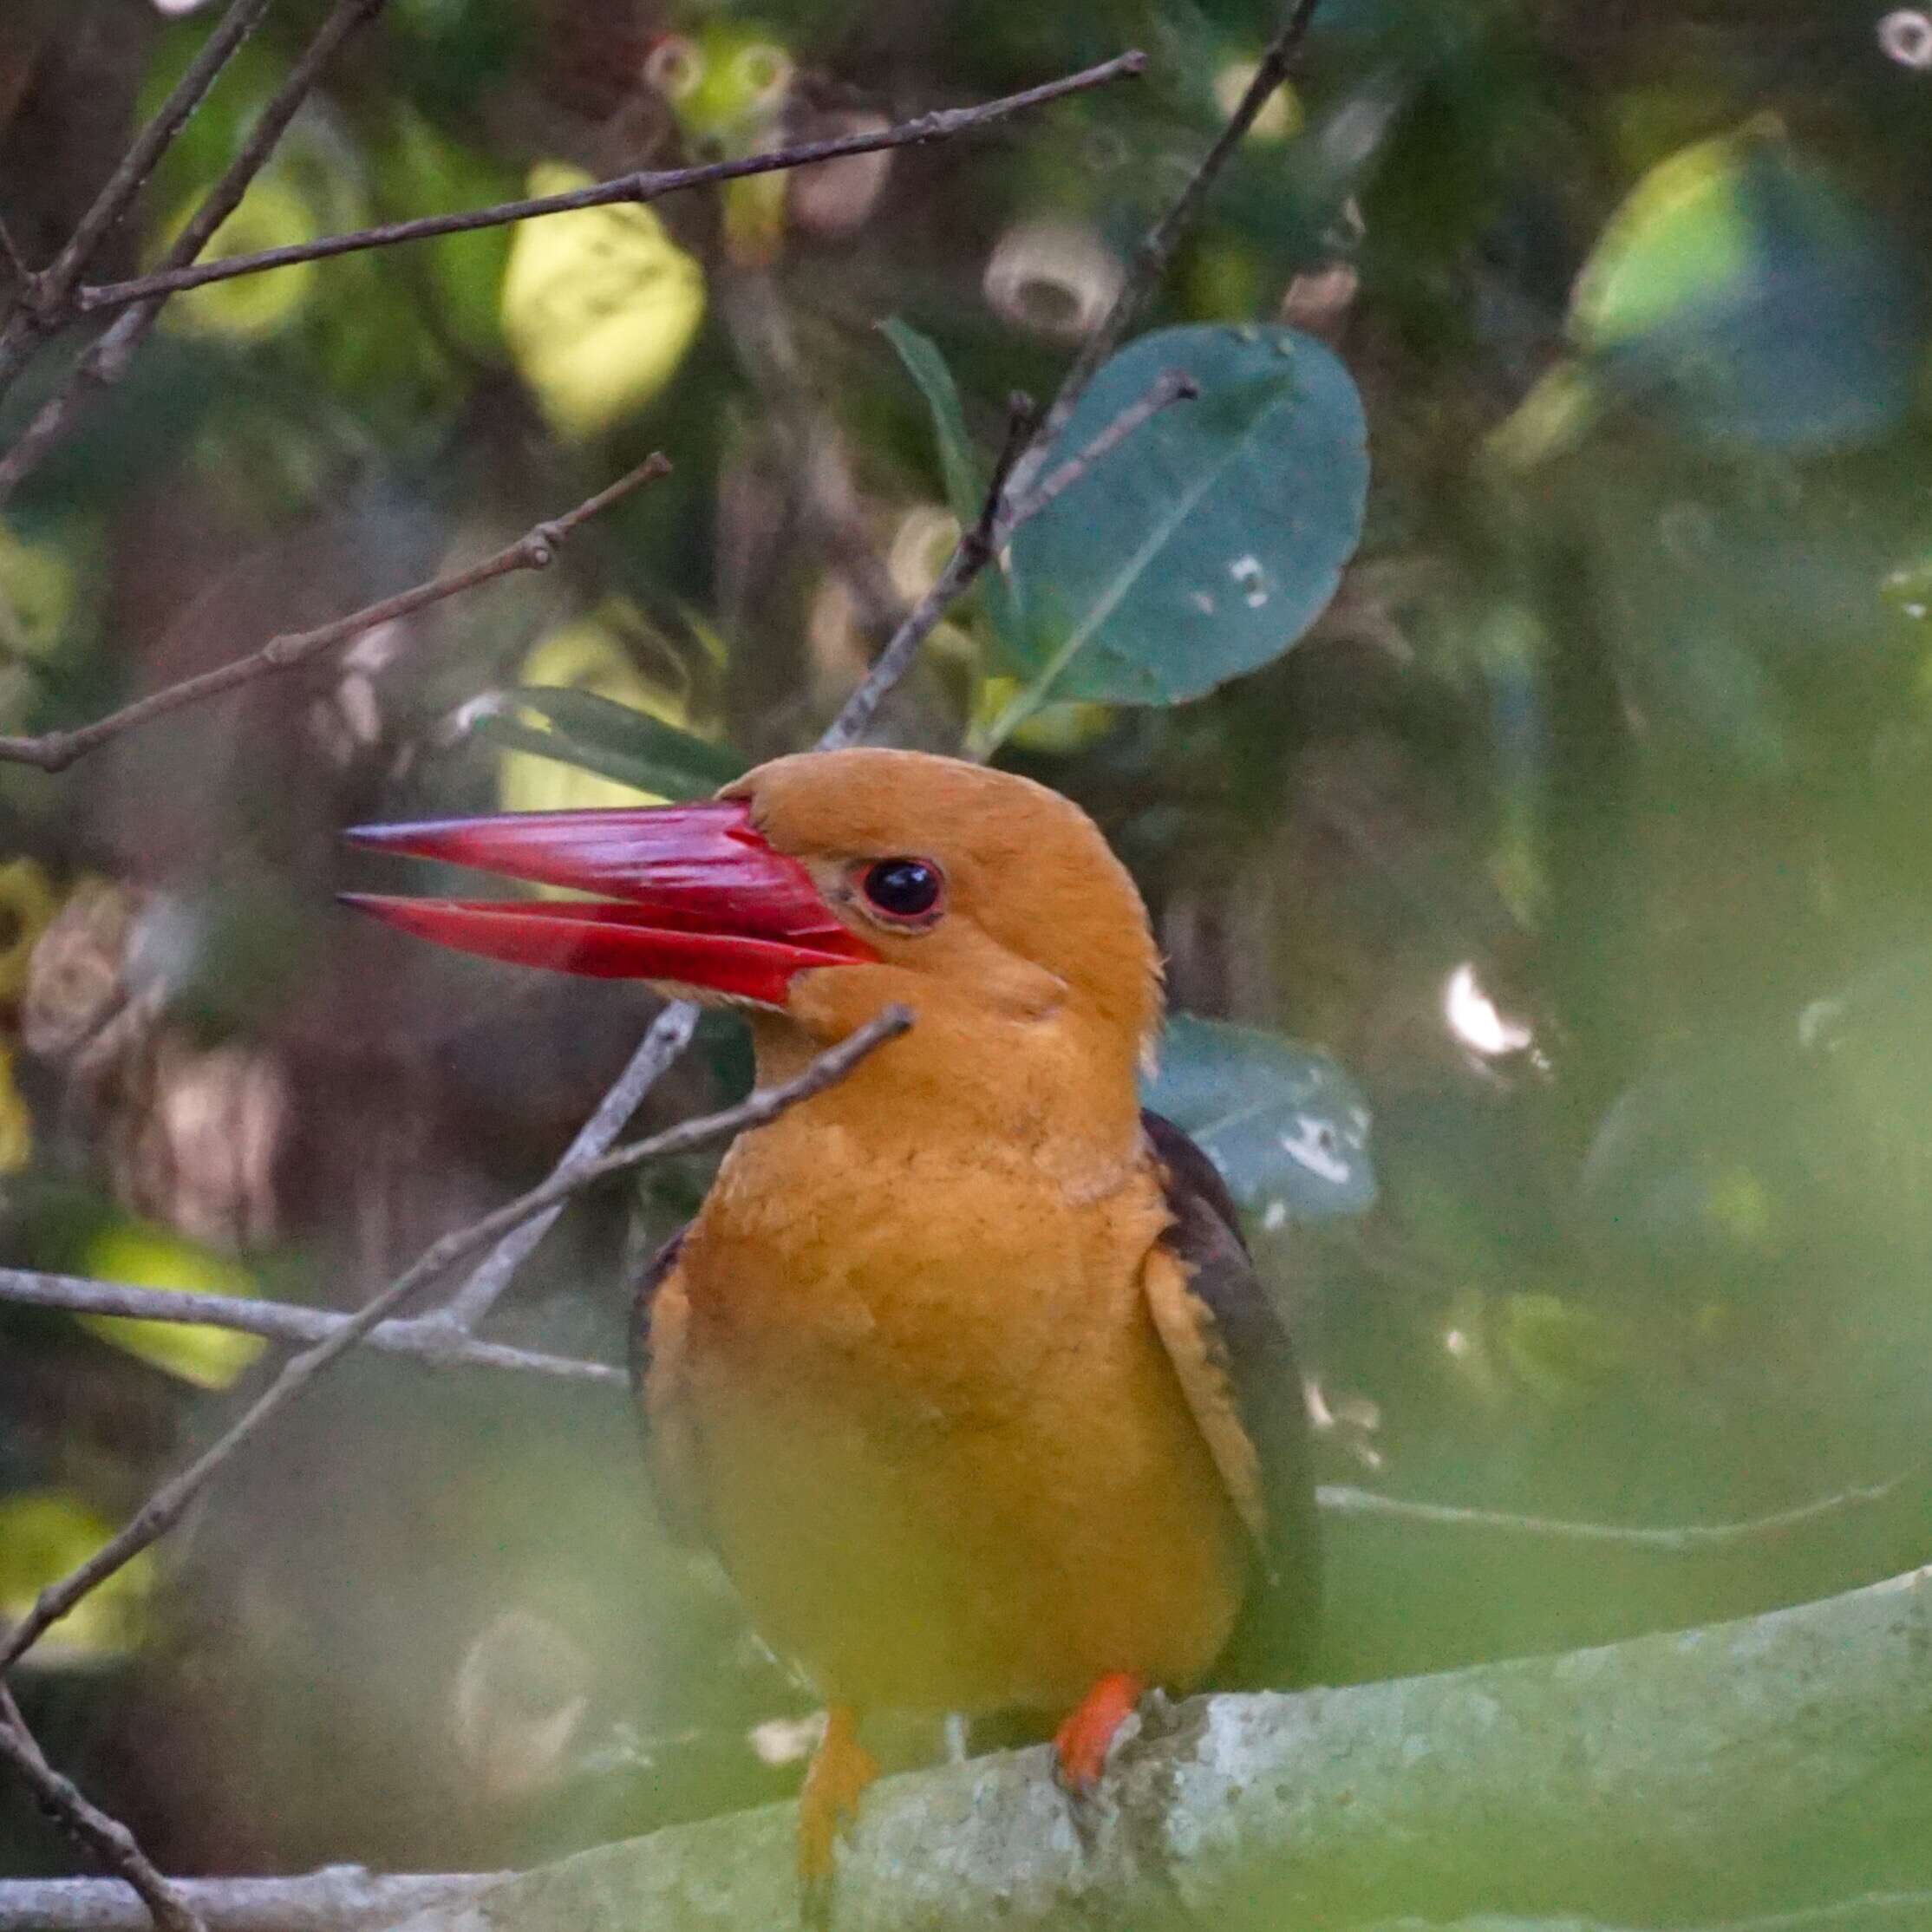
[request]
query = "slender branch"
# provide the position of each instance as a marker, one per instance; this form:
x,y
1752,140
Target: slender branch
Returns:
x,y
427,1337
106,1839
47,296
536,550
340,1898
1023,425
1157,248
1173,385
1686,1539
669,1035
1000,514
642,185
166,1505
106,362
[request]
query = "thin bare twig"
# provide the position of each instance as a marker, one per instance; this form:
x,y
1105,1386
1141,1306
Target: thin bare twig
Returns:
x,y
1023,425
106,362
669,1035
1000,515
106,1839
1683,1540
536,550
971,555
1173,385
1156,247
427,1337
644,185
45,302
166,1505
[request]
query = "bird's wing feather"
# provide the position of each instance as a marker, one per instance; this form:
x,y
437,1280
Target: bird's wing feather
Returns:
x,y
1237,1369
659,1311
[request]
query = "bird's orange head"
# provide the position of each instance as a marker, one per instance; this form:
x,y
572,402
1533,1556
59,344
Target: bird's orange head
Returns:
x,y
820,887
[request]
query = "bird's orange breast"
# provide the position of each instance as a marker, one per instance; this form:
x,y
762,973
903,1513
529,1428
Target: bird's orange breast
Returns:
x,y
933,1432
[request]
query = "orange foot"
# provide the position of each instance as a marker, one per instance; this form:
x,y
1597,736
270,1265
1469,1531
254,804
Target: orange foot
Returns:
x,y
841,1770
1081,1743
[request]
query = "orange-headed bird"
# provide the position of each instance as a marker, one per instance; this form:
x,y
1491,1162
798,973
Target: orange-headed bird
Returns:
x,y
962,1369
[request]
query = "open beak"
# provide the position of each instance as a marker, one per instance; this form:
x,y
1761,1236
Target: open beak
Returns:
x,y
687,895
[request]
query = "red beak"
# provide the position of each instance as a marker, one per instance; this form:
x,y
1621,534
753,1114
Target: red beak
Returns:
x,y
690,895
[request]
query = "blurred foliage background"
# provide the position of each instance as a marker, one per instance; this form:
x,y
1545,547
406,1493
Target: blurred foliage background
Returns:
x,y
1556,913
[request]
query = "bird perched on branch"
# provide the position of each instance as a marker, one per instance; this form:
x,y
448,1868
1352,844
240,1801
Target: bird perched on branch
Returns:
x,y
962,1369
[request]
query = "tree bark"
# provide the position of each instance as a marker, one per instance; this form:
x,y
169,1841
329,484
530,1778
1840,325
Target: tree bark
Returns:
x,y
1691,1773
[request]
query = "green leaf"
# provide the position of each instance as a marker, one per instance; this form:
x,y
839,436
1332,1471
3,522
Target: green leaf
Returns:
x,y
1210,540
1285,1125
927,367
612,740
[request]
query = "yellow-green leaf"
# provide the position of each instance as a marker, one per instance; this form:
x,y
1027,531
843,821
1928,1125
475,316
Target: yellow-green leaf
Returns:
x,y
43,1534
599,306
146,1257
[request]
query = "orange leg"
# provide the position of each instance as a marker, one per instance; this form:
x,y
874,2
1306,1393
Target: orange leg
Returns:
x,y
841,1770
1081,1743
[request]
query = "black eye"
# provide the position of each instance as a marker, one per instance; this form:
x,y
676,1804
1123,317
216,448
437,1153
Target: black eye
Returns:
x,y
903,888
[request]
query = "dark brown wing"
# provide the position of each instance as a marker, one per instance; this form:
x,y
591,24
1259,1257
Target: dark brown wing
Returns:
x,y
1238,1369
658,1313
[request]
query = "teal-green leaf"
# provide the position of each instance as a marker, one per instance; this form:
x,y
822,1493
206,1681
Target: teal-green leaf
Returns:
x,y
1285,1125
927,367
612,740
1210,540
